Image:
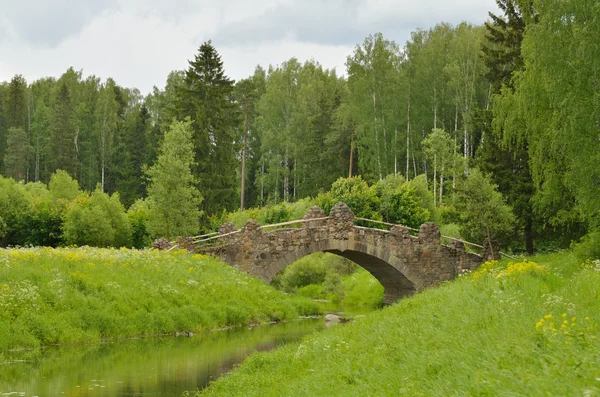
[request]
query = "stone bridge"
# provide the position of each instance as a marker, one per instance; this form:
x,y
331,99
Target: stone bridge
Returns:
x,y
402,263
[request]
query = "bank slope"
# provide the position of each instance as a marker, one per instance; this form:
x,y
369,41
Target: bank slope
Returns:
x,y
506,330
79,295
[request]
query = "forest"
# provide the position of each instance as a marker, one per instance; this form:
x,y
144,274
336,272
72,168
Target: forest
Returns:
x,y
508,107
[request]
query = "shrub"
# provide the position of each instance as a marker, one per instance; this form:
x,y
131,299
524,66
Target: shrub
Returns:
x,y
588,247
356,193
97,220
306,271
138,220
14,207
63,187
399,202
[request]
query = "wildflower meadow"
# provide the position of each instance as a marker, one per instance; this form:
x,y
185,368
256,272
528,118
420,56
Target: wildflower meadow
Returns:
x,y
81,295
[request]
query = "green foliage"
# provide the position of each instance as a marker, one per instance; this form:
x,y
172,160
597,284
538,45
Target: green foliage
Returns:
x,y
205,96
484,214
419,183
273,213
552,111
451,230
588,247
173,199
449,214
44,219
399,202
83,295
14,204
137,215
331,277
362,289
356,193
308,270
97,220
17,154
498,339
63,187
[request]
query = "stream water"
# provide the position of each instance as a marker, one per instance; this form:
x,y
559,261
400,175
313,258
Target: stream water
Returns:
x,y
144,367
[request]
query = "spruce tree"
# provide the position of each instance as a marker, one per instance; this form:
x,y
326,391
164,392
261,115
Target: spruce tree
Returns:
x,y
206,97
63,132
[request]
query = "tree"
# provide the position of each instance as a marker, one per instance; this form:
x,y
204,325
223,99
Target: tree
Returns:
x,y
63,187
63,131
14,204
206,97
106,126
484,214
373,82
172,196
506,160
553,112
17,154
246,94
16,103
440,150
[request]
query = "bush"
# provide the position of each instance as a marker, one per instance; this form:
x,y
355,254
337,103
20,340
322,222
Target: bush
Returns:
x,y
97,220
63,187
138,220
419,183
356,193
399,202
588,247
449,214
301,273
14,207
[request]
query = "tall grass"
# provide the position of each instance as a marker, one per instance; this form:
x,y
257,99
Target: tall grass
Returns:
x,y
63,296
518,329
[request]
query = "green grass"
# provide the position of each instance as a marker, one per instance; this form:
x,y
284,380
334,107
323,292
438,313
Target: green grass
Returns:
x,y
480,335
79,295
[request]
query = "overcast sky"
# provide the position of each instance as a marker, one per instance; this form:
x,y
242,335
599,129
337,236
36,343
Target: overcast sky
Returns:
x,y
138,42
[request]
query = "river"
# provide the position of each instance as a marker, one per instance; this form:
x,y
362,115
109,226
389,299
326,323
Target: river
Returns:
x,y
146,367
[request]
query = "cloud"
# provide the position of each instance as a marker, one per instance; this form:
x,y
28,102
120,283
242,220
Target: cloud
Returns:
x,y
48,23
138,42
347,22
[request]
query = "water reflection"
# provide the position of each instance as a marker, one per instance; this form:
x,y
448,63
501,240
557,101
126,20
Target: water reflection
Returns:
x,y
144,367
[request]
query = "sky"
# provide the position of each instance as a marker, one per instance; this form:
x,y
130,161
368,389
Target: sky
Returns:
x,y
138,42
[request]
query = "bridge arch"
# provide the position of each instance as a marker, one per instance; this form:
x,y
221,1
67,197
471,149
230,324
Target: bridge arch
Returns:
x,y
402,263
389,270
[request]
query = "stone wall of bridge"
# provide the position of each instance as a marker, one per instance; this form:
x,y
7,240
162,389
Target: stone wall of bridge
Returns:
x,y
402,263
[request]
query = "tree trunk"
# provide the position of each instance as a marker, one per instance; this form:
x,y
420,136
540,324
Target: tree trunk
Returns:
x,y
434,107
351,157
385,152
435,180
408,136
529,236
243,182
376,136
395,151
442,183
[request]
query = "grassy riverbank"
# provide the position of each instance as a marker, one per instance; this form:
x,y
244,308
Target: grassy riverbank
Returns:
x,y
508,329
66,296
